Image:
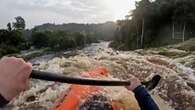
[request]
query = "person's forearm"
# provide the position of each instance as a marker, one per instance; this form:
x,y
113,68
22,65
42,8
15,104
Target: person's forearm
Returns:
x,y
144,99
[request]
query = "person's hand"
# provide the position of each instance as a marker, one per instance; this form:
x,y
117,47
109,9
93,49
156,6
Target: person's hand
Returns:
x,y
135,82
14,76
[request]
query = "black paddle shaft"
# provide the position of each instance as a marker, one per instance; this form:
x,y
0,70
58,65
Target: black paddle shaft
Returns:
x,y
47,76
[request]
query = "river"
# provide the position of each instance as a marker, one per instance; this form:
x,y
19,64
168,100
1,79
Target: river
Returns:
x,y
175,91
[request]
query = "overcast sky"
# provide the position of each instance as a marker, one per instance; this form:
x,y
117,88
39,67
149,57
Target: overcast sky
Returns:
x,y
37,12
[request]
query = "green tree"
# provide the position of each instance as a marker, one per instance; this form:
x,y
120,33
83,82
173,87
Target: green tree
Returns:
x,y
150,18
79,39
40,39
19,24
9,27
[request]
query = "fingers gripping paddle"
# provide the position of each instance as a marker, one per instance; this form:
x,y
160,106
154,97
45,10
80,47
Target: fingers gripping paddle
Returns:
x,y
151,84
47,76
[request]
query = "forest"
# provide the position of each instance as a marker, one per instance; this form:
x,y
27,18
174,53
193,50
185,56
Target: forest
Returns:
x,y
55,37
155,23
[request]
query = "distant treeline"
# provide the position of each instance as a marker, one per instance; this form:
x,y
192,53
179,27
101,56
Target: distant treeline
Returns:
x,y
102,31
156,23
61,40
56,37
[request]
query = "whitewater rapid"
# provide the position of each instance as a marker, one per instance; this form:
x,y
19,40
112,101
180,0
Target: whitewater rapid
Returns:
x,y
173,92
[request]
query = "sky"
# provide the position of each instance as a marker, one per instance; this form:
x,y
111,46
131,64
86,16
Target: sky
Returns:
x,y
37,12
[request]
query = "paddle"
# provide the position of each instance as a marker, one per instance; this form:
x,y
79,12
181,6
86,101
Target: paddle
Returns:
x,y
47,76
73,80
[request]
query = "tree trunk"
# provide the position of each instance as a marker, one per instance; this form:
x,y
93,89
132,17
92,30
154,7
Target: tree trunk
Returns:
x,y
142,36
184,29
173,31
137,41
137,33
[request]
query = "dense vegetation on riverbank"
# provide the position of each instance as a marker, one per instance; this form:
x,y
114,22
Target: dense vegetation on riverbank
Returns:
x,y
60,40
11,39
156,23
55,37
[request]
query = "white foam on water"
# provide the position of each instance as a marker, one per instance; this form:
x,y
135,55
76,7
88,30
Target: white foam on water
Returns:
x,y
185,70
